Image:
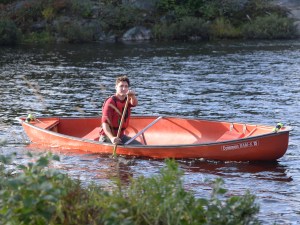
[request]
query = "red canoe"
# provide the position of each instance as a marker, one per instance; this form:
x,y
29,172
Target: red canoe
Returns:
x,y
165,137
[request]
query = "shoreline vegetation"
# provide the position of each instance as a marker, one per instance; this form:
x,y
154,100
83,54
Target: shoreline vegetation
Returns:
x,y
36,194
76,21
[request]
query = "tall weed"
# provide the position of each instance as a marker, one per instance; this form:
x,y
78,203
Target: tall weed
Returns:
x,y
269,27
186,28
222,28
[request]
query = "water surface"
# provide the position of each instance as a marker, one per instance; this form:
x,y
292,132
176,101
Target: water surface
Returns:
x,y
251,82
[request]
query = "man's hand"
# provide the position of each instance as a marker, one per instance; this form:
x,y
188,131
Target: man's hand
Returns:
x,y
116,140
130,93
132,97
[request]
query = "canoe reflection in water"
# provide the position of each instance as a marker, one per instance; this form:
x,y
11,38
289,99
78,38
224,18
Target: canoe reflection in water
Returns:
x,y
272,170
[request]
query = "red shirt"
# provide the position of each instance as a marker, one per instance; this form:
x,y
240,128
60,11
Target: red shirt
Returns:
x,y
112,113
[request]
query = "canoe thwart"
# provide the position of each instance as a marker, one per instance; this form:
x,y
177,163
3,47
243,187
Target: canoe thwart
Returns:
x,y
230,135
47,124
251,132
143,130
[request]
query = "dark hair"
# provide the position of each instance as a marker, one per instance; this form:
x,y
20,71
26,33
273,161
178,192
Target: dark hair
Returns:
x,y
123,78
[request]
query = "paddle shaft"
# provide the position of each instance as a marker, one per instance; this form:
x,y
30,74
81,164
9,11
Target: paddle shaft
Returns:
x,y
143,130
121,124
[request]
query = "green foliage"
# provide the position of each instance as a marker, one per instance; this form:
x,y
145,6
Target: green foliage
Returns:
x,y
258,8
6,1
58,5
82,8
31,196
218,8
48,13
163,200
269,27
226,17
36,195
28,12
171,19
3,161
157,200
207,9
38,37
186,28
261,7
222,28
233,210
112,2
120,18
166,5
79,205
74,32
9,33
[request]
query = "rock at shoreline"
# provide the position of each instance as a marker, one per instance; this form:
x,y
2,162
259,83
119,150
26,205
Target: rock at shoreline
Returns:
x,y
141,4
138,33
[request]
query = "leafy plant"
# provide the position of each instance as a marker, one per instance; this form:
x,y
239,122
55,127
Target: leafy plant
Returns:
x,y
163,200
83,8
48,13
38,37
37,195
31,196
9,33
233,210
120,18
28,12
166,5
74,32
269,27
6,1
187,27
222,28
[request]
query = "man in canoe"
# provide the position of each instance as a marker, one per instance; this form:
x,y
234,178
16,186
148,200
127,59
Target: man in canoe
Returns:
x,y
113,114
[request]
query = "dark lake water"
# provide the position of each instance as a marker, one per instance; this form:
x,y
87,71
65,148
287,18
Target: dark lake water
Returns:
x,y
251,82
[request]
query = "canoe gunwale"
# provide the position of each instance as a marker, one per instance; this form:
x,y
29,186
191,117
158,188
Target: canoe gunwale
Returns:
x,y
233,141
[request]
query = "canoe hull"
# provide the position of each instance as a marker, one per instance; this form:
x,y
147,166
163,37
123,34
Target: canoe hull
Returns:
x,y
267,147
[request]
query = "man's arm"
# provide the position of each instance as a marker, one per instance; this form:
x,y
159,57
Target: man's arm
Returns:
x,y
106,121
109,134
133,99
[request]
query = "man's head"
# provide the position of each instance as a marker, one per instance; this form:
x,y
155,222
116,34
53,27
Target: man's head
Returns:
x,y
122,86
123,78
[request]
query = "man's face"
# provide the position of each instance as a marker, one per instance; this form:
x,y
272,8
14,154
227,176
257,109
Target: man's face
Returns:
x,y
122,88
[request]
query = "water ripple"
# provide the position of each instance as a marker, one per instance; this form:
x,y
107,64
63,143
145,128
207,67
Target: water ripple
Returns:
x,y
251,82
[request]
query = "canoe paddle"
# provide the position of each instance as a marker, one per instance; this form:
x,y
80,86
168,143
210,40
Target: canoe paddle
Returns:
x,y
120,126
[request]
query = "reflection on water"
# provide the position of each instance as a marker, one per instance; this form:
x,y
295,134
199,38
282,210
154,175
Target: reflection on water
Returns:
x,y
258,170
251,82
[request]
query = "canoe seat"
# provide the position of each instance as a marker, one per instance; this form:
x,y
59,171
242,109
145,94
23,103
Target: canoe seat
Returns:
x,y
230,135
47,124
93,135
